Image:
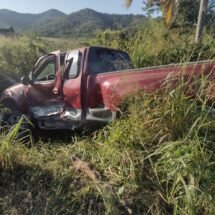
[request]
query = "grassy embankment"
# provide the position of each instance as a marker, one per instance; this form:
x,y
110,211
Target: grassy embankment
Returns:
x,y
157,159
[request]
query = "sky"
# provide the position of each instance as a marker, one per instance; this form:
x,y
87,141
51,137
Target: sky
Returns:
x,y
69,6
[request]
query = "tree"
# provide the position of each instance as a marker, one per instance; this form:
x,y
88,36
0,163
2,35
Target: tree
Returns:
x,y
201,20
187,13
167,6
169,9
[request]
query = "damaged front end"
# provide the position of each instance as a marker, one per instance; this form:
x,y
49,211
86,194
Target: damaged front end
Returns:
x,y
57,116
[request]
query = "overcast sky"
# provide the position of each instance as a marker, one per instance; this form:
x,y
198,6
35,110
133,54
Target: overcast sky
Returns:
x,y
68,6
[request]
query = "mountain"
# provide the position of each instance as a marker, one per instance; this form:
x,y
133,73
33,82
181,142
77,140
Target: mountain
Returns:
x,y
87,22
55,23
24,21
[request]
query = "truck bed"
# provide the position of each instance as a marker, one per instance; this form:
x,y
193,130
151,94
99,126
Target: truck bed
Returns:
x,y
112,87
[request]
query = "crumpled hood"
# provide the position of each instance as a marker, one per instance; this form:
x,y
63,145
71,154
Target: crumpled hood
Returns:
x,y
16,92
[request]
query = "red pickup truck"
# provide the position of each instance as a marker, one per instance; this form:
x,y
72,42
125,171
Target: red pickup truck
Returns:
x,y
69,90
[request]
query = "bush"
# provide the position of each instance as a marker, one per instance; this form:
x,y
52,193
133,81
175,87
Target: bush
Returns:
x,y
154,45
17,57
160,158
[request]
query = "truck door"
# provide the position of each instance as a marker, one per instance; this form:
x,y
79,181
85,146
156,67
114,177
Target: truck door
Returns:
x,y
47,82
72,87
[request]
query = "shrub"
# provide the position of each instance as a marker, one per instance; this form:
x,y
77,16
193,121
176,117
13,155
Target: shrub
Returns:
x,y
160,158
19,56
154,44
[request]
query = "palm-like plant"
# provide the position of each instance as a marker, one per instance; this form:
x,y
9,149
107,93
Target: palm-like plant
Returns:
x,y
128,3
169,8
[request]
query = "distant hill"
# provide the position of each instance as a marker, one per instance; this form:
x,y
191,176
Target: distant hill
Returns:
x,y
55,23
25,21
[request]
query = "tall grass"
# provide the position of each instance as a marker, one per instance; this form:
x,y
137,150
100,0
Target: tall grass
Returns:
x,y
18,54
10,135
157,159
154,44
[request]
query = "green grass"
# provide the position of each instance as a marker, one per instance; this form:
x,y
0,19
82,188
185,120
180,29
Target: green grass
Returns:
x,y
65,44
157,159
154,44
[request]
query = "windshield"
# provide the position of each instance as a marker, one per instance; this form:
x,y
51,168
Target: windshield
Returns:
x,y
103,60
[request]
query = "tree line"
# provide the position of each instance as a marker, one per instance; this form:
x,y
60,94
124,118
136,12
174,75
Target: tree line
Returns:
x,y
173,8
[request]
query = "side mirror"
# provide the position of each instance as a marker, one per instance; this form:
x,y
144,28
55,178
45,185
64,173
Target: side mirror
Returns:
x,y
25,80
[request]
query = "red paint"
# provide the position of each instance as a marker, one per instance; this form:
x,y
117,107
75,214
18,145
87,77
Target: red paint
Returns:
x,y
111,88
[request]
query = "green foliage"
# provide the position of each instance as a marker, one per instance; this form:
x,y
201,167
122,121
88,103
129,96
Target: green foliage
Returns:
x,y
154,44
157,159
87,22
19,57
187,13
114,39
10,136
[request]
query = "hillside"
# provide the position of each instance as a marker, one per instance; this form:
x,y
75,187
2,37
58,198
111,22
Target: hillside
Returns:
x,y
55,23
24,21
87,21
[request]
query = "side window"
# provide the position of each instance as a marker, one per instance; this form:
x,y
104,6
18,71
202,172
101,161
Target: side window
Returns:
x,y
47,73
72,65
